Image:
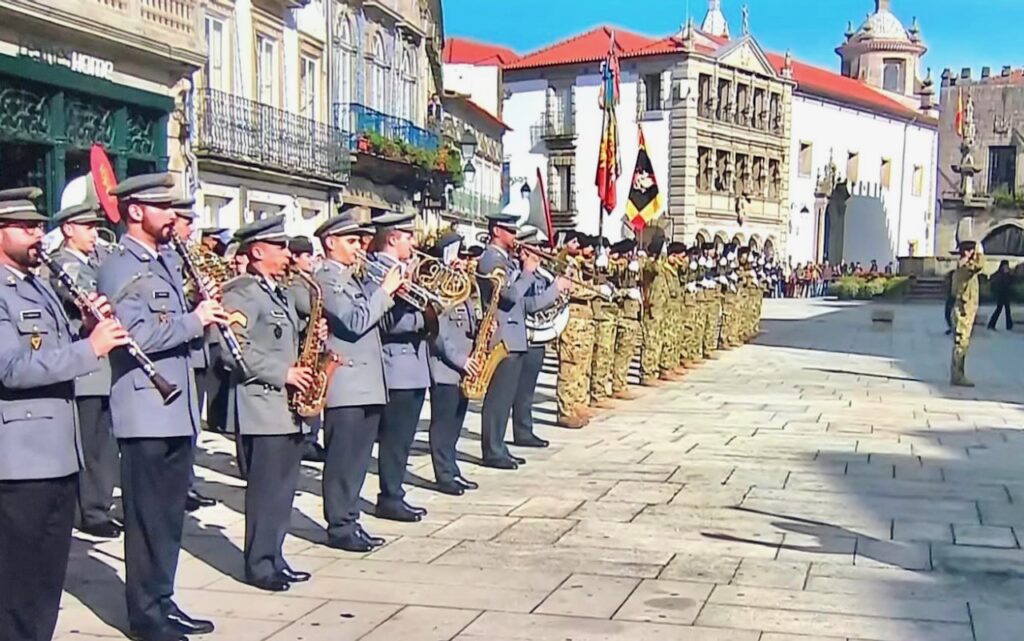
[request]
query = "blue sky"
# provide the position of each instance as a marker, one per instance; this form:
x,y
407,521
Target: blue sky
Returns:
x,y
955,35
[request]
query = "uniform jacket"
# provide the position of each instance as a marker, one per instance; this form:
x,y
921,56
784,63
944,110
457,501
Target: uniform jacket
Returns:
x,y
39,360
353,307
514,302
450,350
84,269
267,326
404,337
146,292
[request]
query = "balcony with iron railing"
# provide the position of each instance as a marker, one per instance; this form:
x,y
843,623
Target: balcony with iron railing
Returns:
x,y
361,120
235,129
169,28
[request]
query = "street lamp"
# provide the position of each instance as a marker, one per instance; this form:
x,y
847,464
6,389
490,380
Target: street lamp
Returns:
x,y
525,190
469,171
467,145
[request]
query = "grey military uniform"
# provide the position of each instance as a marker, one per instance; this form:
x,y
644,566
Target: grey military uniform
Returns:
x,y
450,350
146,290
267,327
449,353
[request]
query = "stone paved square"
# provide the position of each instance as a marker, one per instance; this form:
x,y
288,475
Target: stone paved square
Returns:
x,y
821,484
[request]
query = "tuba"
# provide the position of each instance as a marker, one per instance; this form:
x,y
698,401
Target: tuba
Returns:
x,y
314,355
486,358
547,324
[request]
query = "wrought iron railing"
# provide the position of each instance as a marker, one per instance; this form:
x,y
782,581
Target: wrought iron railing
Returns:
x,y
235,128
360,119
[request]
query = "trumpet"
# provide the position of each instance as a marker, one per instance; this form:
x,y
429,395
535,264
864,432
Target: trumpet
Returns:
x,y
560,267
412,293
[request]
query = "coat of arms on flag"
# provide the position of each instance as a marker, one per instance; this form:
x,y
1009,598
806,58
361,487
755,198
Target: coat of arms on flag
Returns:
x,y
644,204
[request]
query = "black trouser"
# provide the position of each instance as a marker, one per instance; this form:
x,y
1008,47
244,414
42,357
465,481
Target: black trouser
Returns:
x,y
397,432
1001,304
950,302
99,451
154,483
448,407
273,462
212,389
35,540
349,434
522,406
498,406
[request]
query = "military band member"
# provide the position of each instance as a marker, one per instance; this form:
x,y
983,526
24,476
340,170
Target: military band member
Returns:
x,y
78,256
39,443
523,433
212,238
449,362
406,370
513,305
143,278
264,318
354,305
301,250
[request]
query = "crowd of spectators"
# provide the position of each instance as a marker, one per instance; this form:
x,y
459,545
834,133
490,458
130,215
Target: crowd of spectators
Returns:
x,y
812,280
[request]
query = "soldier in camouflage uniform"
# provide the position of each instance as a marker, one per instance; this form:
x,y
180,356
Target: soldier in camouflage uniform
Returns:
x,y
673,325
625,273
655,295
694,329
965,307
575,345
605,323
711,302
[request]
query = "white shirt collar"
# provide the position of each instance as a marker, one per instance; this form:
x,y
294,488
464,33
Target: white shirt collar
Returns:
x,y
152,252
17,272
77,254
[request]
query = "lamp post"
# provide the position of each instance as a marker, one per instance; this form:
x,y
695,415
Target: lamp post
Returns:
x,y
467,145
525,190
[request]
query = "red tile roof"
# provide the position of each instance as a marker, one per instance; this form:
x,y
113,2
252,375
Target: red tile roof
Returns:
x,y
470,52
591,46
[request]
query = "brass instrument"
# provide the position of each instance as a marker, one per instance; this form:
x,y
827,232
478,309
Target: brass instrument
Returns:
x,y
486,358
209,264
558,265
411,292
314,355
452,286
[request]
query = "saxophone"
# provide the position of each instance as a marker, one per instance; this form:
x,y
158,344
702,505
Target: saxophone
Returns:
x,y
486,358
314,355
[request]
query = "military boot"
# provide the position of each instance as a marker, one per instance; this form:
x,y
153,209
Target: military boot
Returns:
x,y
602,403
651,382
625,395
571,422
957,377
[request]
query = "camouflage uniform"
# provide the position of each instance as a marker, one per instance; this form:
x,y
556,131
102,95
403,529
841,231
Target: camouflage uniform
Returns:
x,y
654,317
605,324
629,332
575,353
672,328
965,308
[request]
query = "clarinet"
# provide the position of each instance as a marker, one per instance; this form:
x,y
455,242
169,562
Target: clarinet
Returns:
x,y
225,329
168,390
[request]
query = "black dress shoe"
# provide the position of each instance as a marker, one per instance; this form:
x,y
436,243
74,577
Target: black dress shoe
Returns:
x,y
350,543
375,541
398,513
534,441
450,488
182,623
422,511
295,576
466,483
315,453
277,583
160,634
501,463
195,500
519,460
107,530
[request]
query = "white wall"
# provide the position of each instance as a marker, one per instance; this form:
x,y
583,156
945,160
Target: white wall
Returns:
x,y
880,223
525,108
481,84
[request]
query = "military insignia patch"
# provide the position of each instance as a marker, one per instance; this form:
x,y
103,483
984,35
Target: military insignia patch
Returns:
x,y
278,331
238,318
164,317
36,341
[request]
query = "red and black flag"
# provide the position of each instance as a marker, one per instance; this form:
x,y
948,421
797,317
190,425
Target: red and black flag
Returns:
x,y
644,204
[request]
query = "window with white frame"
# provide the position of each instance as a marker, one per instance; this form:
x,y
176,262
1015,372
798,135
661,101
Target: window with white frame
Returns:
x,y
652,92
346,62
408,79
216,70
268,88
381,67
309,82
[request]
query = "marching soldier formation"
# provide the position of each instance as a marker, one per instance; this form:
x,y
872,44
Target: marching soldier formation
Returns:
x,y
110,363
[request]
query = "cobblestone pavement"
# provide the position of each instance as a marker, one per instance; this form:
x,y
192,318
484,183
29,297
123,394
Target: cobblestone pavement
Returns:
x,y
822,484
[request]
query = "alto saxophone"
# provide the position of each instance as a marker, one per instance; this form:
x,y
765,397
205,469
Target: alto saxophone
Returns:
x,y
314,355
474,387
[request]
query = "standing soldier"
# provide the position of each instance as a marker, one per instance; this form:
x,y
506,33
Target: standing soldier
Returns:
x,y
965,307
575,345
301,250
78,257
263,317
655,290
40,439
606,321
626,274
712,302
353,305
673,323
144,278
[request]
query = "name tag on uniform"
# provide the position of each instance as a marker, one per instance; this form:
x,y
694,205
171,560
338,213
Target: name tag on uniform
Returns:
x,y
31,314
161,294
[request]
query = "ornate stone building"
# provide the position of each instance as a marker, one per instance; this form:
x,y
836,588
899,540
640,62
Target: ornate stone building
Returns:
x,y
78,72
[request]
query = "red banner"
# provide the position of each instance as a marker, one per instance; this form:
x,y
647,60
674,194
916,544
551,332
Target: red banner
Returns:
x,y
104,180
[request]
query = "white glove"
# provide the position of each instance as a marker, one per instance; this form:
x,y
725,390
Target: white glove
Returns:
x,y
606,289
634,293
634,266
760,261
723,280
693,265
731,256
601,261
732,288
707,283
722,261
691,287
734,277
642,252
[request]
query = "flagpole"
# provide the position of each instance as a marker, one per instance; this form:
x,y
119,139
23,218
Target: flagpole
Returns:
x,y
600,203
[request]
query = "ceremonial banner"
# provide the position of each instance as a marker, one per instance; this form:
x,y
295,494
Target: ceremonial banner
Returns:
x,y
644,204
609,167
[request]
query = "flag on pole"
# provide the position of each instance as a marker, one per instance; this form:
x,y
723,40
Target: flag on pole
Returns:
x,y
609,167
644,204
958,122
539,215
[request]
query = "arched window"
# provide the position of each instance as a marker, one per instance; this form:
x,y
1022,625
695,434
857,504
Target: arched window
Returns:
x,y
892,75
346,62
408,83
381,69
1005,240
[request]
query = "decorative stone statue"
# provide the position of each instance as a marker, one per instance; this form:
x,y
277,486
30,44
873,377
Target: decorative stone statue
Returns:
x,y
746,20
967,168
